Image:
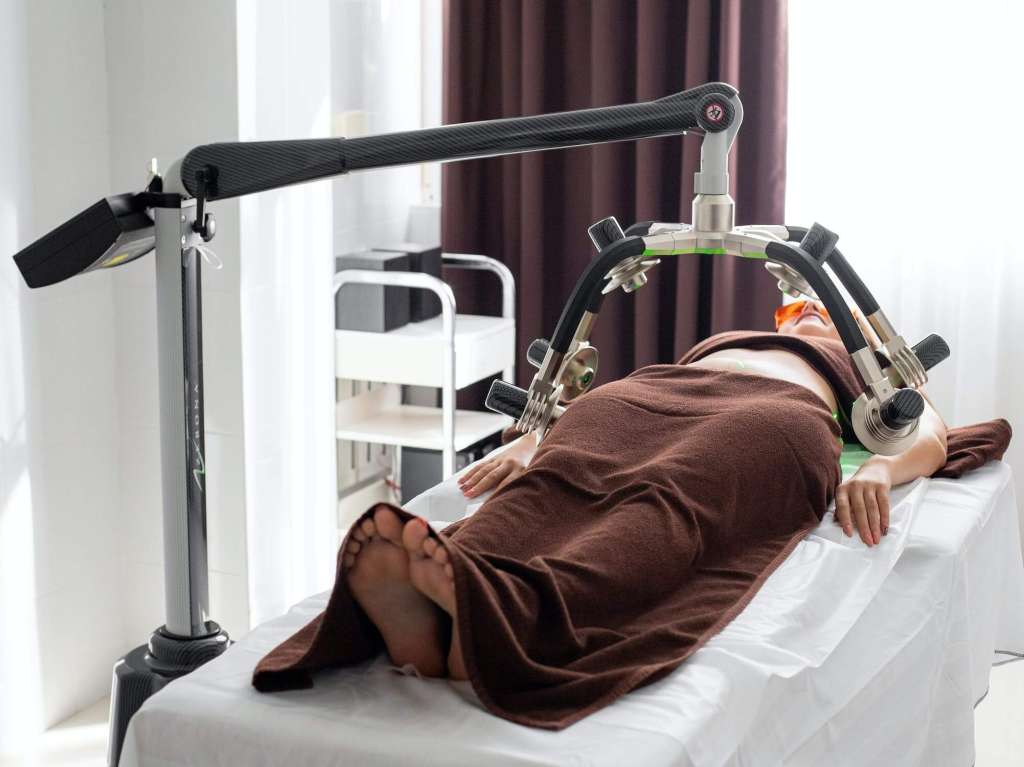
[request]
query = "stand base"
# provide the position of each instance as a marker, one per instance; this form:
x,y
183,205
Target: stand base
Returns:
x,y
146,669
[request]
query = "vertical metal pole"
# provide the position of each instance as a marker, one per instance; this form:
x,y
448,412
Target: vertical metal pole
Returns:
x,y
448,388
182,444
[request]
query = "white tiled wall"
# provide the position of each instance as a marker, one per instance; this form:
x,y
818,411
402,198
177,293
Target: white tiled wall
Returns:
x,y
186,94
60,621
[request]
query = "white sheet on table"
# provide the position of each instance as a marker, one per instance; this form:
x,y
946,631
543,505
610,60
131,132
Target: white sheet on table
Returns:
x,y
846,656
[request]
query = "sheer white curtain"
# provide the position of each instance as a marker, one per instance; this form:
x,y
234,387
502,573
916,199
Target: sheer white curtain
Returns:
x,y
904,138
287,312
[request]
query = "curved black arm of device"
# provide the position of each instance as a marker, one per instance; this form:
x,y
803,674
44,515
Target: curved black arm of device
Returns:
x,y
587,294
850,279
820,242
810,268
234,169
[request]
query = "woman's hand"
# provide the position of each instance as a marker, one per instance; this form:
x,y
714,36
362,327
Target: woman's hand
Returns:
x,y
492,473
864,501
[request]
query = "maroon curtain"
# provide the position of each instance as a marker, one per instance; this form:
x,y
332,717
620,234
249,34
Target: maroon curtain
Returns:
x,y
519,57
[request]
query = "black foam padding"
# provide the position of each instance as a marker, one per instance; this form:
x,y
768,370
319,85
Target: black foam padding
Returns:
x,y
507,399
819,242
248,167
604,232
931,351
536,352
902,408
254,166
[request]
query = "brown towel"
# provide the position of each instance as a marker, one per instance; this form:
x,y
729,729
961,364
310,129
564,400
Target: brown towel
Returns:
x,y
827,356
649,517
968,447
651,514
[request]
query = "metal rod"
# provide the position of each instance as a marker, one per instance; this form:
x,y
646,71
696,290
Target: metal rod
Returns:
x,y
508,289
183,466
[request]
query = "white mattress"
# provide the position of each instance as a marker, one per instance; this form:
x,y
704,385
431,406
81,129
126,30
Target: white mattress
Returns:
x,y
847,656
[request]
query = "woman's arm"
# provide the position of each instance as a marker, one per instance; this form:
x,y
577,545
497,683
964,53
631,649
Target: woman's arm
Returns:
x,y
864,500
503,468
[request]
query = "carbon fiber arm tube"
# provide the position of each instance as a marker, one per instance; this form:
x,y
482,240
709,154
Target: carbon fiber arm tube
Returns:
x,y
235,169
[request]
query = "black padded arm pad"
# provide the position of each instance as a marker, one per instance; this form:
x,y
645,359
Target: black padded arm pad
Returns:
x,y
507,399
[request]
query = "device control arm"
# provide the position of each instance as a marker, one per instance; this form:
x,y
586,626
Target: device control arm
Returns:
x,y
239,168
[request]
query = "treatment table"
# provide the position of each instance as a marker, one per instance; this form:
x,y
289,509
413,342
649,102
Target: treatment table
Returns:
x,y
846,656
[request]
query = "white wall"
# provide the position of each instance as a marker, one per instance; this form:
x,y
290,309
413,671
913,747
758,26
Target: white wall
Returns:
x,y
173,84
60,619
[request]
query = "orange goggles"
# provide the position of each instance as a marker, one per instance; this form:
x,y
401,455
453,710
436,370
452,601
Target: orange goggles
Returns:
x,y
788,312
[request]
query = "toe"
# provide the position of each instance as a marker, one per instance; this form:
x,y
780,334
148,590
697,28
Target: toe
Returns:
x,y
388,524
413,535
350,559
449,571
369,529
353,547
429,547
441,555
359,535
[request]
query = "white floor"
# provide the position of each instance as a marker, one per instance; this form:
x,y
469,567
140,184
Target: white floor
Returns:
x,y
81,741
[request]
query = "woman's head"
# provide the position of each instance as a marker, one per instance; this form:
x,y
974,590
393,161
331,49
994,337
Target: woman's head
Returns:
x,y
805,318
810,318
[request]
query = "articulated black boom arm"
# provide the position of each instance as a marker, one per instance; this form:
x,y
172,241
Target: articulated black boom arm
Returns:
x,y
119,229
235,169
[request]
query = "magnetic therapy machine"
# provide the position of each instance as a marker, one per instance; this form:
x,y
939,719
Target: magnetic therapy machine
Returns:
x,y
170,218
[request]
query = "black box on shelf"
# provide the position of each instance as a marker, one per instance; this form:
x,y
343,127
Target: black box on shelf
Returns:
x,y
375,308
421,469
423,304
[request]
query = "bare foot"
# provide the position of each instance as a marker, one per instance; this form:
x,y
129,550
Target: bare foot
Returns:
x,y
429,568
414,630
430,571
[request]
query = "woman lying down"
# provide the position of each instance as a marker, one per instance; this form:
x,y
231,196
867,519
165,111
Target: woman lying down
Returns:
x,y
646,520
